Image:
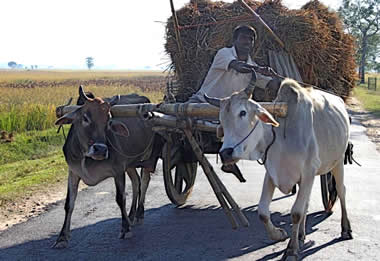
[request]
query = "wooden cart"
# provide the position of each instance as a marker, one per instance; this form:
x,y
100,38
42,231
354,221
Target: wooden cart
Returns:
x,y
180,124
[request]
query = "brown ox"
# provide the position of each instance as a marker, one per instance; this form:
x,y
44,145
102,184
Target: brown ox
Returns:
x,y
98,147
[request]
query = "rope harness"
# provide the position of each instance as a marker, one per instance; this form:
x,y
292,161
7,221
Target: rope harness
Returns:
x,y
266,150
246,137
63,131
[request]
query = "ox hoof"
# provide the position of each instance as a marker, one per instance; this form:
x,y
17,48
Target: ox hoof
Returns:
x,y
347,235
138,221
289,258
125,235
60,244
305,245
290,255
279,234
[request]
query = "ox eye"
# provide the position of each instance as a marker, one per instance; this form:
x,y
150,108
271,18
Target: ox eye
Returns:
x,y
85,119
242,113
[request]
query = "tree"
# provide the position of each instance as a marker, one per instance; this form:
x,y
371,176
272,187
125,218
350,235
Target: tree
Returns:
x,y
12,64
376,67
362,18
90,62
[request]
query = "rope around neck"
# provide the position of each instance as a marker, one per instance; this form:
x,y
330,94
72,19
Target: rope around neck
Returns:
x,y
266,150
246,137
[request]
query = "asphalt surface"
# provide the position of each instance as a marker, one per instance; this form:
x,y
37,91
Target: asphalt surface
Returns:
x,y
200,230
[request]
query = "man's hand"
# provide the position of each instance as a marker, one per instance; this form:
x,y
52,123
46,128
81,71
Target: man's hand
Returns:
x,y
241,67
267,71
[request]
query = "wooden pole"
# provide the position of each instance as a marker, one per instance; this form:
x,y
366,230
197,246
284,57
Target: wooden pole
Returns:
x,y
220,191
177,35
199,110
258,18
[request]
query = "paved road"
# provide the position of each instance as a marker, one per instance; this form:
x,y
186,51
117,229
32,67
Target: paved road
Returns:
x,y
200,230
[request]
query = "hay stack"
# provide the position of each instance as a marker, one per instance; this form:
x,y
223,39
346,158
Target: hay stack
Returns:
x,y
313,35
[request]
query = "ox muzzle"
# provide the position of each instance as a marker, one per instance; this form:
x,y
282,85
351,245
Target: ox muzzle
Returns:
x,y
226,156
98,151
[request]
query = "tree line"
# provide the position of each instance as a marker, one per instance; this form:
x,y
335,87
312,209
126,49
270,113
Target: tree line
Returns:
x,y
361,18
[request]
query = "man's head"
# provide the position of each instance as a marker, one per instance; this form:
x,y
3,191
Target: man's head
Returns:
x,y
244,38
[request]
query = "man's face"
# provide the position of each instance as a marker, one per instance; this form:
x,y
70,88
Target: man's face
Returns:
x,y
244,43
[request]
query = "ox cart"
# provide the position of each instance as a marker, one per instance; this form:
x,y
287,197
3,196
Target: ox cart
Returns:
x,y
182,125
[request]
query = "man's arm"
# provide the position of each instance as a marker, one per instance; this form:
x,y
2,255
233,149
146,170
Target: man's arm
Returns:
x,y
243,67
265,70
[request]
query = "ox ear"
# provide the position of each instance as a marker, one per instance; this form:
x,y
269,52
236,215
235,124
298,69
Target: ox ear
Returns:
x,y
68,118
266,117
118,128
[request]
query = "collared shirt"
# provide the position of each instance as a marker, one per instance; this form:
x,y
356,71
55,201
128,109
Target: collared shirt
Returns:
x,y
221,81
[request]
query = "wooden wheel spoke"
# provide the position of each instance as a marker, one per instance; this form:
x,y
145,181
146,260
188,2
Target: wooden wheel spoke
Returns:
x,y
329,192
179,176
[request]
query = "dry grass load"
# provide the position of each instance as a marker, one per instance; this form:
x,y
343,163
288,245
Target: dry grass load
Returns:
x,y
313,36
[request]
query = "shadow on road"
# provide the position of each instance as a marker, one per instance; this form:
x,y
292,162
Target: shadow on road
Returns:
x,y
169,233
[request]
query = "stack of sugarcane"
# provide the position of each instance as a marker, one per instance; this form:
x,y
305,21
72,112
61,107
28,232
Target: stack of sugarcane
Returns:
x,y
313,36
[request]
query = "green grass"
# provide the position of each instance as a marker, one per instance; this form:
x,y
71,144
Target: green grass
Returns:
x,y
26,117
34,160
22,178
369,98
31,145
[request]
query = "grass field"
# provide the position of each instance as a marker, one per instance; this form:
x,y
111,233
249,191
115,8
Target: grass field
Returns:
x,y
369,98
28,98
33,157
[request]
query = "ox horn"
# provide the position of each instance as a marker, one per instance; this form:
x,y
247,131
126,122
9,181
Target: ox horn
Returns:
x,y
251,85
114,100
82,94
212,100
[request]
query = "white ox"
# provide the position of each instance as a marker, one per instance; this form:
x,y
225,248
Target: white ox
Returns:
x,y
310,141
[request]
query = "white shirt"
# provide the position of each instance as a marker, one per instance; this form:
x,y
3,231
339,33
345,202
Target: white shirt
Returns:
x,y
221,81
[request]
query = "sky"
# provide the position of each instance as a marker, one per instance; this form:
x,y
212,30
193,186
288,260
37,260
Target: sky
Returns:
x,y
118,34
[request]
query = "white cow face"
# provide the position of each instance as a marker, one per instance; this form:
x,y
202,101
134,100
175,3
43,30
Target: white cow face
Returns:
x,y
243,122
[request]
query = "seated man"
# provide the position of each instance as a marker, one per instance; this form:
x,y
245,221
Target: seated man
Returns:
x,y
232,67
231,71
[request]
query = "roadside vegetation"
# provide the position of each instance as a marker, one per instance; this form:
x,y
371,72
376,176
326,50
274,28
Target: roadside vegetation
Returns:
x,y
30,147
369,98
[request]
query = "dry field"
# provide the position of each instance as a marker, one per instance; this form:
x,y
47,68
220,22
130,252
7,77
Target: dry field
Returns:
x,y
28,98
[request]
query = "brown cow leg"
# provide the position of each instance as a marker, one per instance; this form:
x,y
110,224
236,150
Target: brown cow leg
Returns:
x,y
72,191
120,199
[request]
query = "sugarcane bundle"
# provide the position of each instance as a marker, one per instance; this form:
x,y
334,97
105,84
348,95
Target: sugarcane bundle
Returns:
x,y
313,35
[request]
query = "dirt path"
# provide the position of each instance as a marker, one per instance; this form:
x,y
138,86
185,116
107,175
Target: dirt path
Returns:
x,y
31,206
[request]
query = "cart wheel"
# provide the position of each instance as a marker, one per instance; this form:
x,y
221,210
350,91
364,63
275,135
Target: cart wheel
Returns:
x,y
329,192
178,188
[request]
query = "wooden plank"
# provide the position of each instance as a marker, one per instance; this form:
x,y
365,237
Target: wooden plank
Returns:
x,y
198,110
